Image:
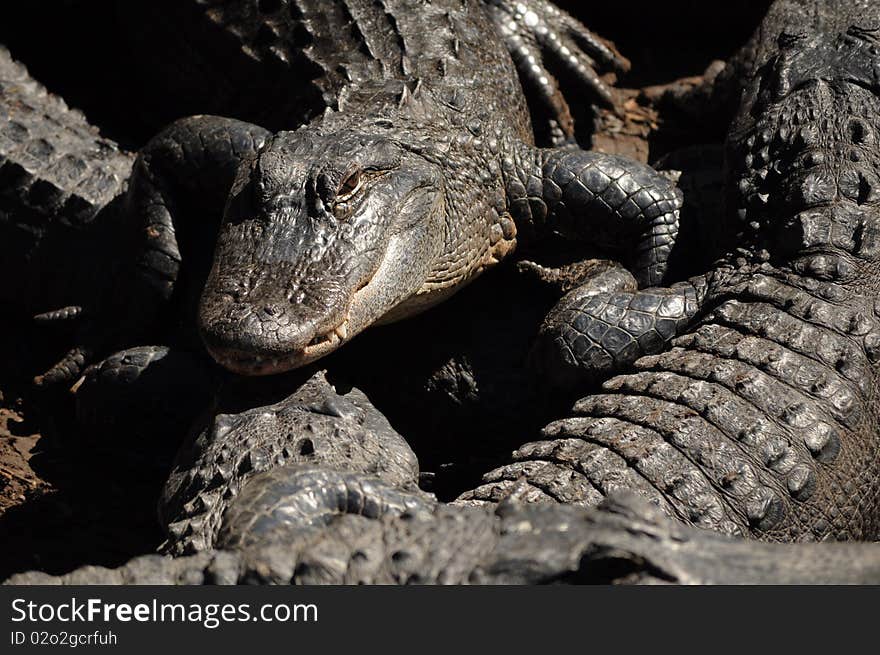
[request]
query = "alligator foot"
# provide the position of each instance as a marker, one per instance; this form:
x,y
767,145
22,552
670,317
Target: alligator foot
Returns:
x,y
533,29
598,328
66,370
593,332
282,505
608,201
618,205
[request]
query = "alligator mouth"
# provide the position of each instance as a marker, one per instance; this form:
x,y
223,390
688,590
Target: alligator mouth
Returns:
x,y
248,363
254,364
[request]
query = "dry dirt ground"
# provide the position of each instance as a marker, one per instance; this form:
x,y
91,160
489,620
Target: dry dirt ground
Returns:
x,y
18,482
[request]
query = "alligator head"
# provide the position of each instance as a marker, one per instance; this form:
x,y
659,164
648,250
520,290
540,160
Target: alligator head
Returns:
x,y
324,233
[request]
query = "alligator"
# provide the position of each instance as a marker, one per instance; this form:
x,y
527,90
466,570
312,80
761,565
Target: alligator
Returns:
x,y
219,55
319,489
757,421
420,175
761,419
315,427
623,541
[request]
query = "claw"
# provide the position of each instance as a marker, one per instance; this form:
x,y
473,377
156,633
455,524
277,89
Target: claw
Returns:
x,y
531,27
67,369
59,315
526,55
76,385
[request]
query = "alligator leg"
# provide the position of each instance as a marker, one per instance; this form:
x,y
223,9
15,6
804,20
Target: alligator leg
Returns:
x,y
284,503
609,201
180,185
173,206
606,200
596,329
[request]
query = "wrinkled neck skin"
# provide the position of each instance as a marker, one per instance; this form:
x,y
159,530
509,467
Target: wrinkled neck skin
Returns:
x,y
803,162
352,220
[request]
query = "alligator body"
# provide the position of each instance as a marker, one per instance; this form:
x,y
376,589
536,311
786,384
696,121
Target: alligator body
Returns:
x,y
315,427
319,489
408,540
220,55
762,418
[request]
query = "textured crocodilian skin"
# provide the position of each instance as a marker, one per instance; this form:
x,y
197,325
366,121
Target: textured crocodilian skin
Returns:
x,y
758,420
761,419
623,541
316,427
420,175
56,175
219,55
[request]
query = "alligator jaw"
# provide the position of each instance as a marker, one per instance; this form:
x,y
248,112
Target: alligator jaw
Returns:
x,y
245,363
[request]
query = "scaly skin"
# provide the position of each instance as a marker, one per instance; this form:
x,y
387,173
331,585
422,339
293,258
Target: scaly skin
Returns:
x,y
762,418
417,178
759,420
222,54
315,427
624,541
56,175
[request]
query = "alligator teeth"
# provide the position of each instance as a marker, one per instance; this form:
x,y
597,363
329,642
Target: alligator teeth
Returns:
x,y
342,331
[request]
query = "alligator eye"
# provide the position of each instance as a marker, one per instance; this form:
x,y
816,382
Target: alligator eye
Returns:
x,y
349,186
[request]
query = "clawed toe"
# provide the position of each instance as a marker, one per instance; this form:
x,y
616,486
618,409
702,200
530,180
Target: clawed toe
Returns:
x,y
535,30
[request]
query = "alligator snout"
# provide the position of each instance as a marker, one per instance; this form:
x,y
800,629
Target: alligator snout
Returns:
x,y
264,333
